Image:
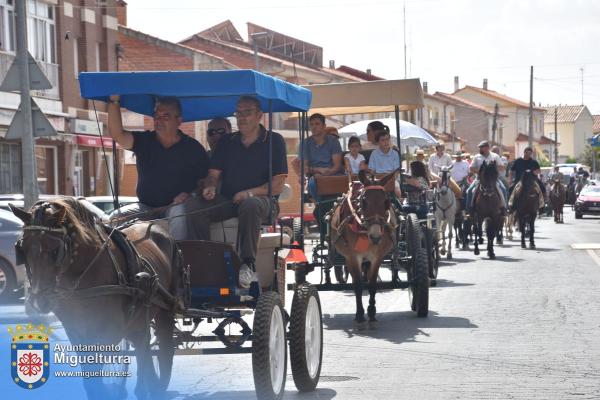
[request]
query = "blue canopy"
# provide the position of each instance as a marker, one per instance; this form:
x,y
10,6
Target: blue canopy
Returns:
x,y
203,94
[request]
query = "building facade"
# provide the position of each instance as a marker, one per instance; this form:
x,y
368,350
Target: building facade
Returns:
x,y
575,126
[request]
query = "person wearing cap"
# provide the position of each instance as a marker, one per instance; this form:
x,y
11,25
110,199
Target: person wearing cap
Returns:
x,y
518,168
486,156
439,159
460,168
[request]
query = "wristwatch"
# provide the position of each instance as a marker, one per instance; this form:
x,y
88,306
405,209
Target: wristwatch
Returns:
x,y
115,101
250,194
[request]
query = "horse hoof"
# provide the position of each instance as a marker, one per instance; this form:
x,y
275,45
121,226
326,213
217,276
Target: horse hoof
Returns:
x,y
449,256
523,246
443,252
476,252
360,325
480,241
492,256
532,246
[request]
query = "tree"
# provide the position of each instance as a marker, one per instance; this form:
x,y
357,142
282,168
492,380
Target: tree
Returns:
x,y
586,156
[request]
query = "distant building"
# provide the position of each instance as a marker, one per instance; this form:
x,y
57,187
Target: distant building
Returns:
x,y
575,126
516,124
596,128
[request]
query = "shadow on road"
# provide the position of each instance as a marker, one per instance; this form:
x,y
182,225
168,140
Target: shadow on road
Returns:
x,y
320,394
449,283
395,327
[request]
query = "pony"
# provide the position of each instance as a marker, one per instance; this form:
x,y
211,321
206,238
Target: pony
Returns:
x,y
363,230
557,199
487,207
445,211
78,270
526,204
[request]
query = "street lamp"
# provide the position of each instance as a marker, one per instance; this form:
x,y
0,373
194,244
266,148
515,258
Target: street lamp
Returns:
x,y
254,36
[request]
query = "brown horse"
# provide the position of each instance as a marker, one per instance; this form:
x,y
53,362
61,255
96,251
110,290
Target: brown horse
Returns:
x,y
77,270
558,197
526,205
363,230
487,209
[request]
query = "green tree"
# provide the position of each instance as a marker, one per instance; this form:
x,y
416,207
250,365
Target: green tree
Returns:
x,y
586,156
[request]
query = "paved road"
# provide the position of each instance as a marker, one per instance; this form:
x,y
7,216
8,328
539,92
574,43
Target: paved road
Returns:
x,y
525,326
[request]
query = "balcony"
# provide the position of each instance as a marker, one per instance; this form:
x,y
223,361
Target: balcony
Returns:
x,y
50,70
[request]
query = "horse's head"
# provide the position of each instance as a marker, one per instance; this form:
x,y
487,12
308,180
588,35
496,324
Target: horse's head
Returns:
x,y
51,234
488,174
445,176
375,204
528,178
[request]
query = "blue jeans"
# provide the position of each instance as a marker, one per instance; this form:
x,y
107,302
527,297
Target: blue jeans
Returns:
x,y
500,186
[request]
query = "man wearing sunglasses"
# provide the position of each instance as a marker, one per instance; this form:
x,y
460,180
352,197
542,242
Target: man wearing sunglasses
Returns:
x,y
217,128
240,165
169,163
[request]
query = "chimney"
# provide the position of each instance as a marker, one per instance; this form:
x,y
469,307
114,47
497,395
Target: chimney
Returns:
x,y
485,84
122,12
332,64
456,83
369,71
425,87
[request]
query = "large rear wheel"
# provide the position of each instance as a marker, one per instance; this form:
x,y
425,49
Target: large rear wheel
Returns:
x,y
418,290
433,255
269,350
306,338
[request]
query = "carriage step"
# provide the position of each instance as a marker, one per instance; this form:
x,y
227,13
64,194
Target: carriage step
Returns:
x,y
338,287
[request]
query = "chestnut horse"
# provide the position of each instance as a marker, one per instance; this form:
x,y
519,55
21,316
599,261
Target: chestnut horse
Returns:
x,y
77,270
526,205
363,230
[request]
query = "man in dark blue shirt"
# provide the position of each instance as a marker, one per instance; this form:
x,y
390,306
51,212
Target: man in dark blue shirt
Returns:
x,y
169,163
241,165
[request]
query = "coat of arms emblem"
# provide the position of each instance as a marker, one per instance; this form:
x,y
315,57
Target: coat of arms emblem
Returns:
x,y
30,355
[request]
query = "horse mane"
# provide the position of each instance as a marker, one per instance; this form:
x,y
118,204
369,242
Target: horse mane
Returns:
x,y
488,171
77,217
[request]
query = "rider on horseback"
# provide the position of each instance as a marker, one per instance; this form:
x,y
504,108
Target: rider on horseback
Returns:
x,y
486,156
525,163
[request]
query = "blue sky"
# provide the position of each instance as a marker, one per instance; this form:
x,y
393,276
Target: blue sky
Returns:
x,y
474,39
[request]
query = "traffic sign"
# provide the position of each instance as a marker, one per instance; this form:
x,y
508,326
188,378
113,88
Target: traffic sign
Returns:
x,y
37,79
41,125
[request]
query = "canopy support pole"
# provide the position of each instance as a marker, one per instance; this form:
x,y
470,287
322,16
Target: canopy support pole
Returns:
x,y
270,184
301,134
398,139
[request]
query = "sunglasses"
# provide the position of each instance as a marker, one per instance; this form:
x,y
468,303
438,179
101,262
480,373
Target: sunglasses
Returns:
x,y
217,131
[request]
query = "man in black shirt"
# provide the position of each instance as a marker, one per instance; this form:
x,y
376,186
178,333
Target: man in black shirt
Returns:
x,y
217,128
522,164
169,163
241,165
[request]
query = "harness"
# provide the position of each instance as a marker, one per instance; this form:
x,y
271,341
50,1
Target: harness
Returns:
x,y
438,195
139,280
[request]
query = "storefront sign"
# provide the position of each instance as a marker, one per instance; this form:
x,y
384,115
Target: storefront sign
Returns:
x,y
86,127
94,141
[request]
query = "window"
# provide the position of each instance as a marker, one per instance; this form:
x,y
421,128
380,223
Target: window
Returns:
x,y
7,26
41,31
10,168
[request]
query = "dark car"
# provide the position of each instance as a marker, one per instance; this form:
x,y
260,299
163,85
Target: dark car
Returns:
x,y
12,276
588,201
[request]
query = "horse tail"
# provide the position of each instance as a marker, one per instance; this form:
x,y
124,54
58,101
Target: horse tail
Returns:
x,y
490,227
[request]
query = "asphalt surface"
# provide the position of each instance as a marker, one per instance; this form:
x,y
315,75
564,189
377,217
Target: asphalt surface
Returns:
x,y
524,326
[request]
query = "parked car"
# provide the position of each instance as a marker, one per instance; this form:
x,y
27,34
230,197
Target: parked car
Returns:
x,y
12,276
588,201
106,204
17,200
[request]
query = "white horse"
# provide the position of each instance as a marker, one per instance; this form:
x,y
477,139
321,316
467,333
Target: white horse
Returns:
x,y
445,211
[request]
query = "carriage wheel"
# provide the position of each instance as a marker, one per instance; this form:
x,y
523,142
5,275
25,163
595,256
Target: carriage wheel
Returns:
x,y
269,350
418,291
296,229
433,255
162,360
413,234
306,338
114,380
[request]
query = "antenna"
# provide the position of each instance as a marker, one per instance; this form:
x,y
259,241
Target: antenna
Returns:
x,y
581,69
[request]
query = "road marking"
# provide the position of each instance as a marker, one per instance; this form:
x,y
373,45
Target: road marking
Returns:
x,y
594,256
585,246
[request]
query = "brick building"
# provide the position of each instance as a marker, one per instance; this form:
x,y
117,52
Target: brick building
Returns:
x,y
65,38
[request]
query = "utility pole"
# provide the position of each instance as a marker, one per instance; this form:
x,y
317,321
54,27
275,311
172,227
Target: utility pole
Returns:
x,y
30,189
531,109
495,125
555,136
404,23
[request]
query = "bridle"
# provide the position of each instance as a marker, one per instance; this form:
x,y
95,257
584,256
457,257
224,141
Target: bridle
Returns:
x,y
438,194
366,223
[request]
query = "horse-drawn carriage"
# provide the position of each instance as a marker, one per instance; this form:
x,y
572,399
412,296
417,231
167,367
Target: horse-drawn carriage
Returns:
x,y
193,282
343,202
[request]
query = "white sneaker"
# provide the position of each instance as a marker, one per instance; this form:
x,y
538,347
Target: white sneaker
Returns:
x,y
246,276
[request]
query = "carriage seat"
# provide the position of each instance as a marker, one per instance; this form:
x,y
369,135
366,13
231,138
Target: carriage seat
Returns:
x,y
226,231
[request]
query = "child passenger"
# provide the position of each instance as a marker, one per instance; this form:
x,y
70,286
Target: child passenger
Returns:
x,y
354,161
384,158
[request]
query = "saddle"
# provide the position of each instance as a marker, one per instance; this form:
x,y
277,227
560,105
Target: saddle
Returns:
x,y
518,190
